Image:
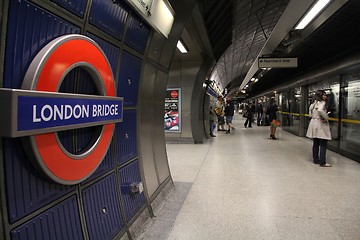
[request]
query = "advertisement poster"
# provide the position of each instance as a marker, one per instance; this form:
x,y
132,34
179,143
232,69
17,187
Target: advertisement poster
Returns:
x,y
172,112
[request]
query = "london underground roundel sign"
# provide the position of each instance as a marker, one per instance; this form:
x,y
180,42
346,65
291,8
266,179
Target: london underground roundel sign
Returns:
x,y
45,113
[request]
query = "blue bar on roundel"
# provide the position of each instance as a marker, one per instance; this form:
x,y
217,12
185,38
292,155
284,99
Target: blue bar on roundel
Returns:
x,y
36,112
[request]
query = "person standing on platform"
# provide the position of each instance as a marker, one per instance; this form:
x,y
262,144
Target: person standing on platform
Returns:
x,y
272,109
219,110
319,129
250,115
213,119
229,114
260,112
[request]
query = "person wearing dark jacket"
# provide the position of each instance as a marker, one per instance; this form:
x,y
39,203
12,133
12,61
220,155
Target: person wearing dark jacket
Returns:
x,y
213,119
260,112
229,114
250,115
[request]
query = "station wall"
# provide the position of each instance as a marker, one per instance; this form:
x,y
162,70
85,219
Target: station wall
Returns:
x,y
102,206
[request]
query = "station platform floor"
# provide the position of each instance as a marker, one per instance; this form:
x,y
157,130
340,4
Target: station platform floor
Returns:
x,y
244,185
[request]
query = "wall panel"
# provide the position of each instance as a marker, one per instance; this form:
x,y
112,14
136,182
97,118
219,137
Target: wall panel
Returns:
x,y
26,189
145,128
76,7
128,84
137,34
132,202
158,134
59,222
126,137
102,211
30,28
109,16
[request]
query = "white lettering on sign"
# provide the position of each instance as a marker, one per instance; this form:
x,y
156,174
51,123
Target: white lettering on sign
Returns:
x,y
35,119
144,4
277,62
49,115
68,111
105,110
62,112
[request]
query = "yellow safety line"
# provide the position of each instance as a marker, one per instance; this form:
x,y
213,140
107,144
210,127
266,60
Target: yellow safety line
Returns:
x,y
350,121
331,119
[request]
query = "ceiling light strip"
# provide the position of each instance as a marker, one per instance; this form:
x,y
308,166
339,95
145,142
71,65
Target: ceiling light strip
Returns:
x,y
310,15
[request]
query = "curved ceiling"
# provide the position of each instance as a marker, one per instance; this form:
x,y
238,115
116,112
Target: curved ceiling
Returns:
x,y
253,23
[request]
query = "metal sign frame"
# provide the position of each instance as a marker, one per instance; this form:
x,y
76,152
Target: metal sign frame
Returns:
x,y
12,113
277,62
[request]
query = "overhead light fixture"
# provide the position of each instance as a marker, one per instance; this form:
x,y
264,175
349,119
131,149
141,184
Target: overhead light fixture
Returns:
x,y
312,13
181,46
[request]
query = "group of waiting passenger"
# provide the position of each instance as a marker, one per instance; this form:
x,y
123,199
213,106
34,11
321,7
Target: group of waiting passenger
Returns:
x,y
267,119
222,114
318,129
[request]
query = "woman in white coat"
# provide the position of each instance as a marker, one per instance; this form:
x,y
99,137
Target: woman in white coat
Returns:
x,y
319,129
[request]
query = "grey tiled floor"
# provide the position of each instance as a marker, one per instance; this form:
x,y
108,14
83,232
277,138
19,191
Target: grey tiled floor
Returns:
x,y
246,186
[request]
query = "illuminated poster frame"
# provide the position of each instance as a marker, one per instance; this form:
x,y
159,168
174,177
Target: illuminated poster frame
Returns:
x,y
172,110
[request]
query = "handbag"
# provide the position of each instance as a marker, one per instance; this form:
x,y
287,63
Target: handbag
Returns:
x,y
275,123
246,114
218,111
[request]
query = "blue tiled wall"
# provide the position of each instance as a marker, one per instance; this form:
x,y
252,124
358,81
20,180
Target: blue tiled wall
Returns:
x,y
128,83
132,202
126,137
76,7
59,222
96,202
102,211
31,29
137,34
109,16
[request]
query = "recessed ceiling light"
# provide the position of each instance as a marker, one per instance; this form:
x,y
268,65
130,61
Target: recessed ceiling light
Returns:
x,y
181,46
